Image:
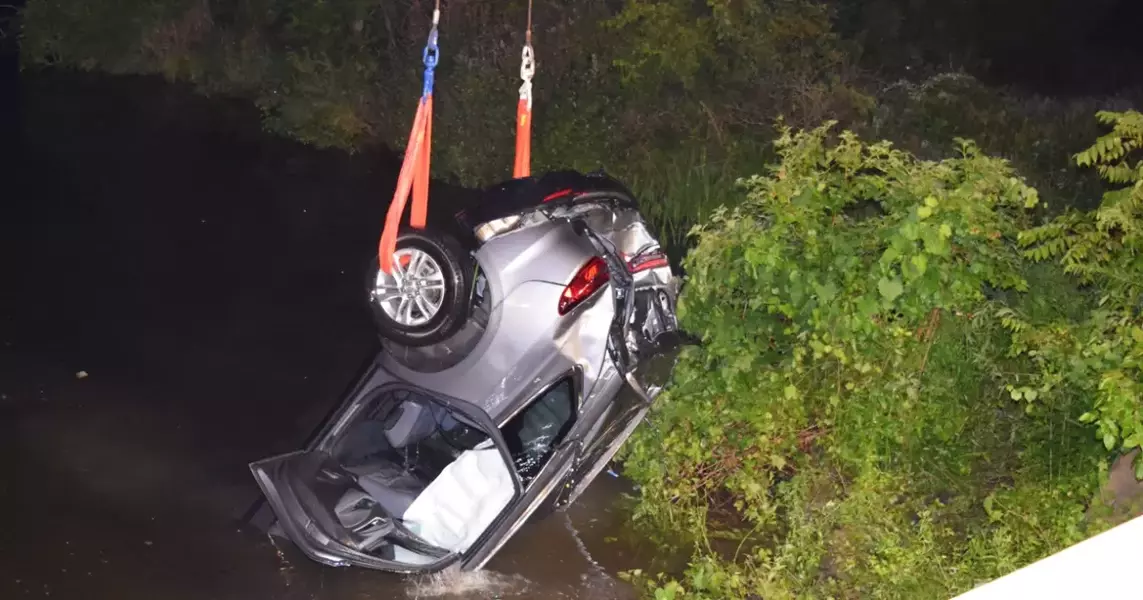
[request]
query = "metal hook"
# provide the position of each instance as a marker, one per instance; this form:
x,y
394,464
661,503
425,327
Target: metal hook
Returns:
x,y
432,49
527,63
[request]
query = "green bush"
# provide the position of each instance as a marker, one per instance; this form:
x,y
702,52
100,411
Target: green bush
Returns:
x,y
1099,355
867,416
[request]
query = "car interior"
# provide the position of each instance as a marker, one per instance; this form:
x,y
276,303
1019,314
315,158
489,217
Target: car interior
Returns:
x,y
411,481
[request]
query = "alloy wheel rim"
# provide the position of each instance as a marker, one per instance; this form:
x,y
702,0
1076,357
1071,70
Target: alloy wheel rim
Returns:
x,y
413,293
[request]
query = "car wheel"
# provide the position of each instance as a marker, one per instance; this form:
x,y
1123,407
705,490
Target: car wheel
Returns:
x,y
425,299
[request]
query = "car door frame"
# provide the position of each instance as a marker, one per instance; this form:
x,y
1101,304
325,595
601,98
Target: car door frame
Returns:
x,y
562,460
609,438
362,393
609,441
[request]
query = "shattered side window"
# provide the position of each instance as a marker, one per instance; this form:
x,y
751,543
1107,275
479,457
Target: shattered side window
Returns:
x,y
532,434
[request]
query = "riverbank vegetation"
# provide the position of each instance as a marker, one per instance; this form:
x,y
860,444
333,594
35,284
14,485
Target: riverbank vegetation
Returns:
x,y
920,355
907,384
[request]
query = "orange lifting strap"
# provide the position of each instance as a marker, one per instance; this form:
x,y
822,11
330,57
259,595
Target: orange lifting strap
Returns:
x,y
414,173
523,167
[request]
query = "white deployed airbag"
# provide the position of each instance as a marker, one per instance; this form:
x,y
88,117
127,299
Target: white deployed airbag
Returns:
x,y
462,501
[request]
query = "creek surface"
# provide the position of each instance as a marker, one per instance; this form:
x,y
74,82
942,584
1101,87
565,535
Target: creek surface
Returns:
x,y
182,294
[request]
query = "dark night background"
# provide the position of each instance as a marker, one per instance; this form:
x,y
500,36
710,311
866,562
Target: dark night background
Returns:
x,y
1054,47
207,276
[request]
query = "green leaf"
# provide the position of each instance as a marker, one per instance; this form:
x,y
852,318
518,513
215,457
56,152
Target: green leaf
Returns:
x,y
790,392
910,231
890,288
891,254
1031,197
921,263
669,591
946,231
698,580
931,201
827,292
1108,441
924,212
935,244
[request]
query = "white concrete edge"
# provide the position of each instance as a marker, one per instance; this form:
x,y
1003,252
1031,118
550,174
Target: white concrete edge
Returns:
x,y
1107,566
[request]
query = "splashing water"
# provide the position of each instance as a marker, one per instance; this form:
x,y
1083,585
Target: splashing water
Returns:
x,y
597,583
285,569
595,566
452,582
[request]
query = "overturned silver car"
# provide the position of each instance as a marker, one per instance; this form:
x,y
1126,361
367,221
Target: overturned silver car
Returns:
x,y
523,340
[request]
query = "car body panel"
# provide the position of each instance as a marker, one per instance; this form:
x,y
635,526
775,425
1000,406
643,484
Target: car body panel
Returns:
x,y
518,356
549,251
620,427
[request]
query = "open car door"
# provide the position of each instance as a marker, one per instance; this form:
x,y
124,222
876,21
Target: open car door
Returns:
x,y
403,480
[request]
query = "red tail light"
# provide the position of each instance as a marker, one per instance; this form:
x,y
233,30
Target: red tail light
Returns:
x,y
644,262
559,194
587,281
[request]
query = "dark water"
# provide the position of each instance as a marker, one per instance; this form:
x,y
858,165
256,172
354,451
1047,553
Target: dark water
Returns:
x,y
206,278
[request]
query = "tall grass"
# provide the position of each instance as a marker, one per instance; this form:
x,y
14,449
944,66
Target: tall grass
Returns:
x,y
678,190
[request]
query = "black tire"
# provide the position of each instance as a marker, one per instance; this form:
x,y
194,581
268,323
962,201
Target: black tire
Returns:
x,y
456,268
